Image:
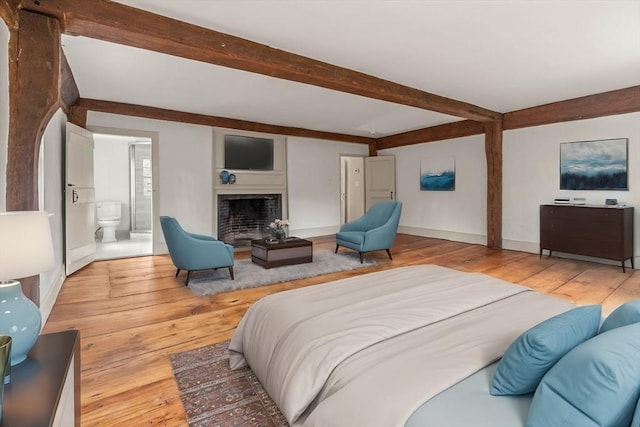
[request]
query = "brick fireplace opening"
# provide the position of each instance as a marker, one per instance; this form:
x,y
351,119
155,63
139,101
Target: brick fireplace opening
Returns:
x,y
245,217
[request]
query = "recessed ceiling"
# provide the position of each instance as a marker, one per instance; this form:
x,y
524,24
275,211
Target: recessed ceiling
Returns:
x,y
500,55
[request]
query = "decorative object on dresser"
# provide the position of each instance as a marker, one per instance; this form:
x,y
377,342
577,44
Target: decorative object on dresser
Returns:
x,y
5,366
596,231
26,250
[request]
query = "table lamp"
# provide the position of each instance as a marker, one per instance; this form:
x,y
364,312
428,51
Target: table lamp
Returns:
x,y
26,249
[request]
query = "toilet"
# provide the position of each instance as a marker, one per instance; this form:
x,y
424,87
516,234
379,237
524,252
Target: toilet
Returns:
x,y
109,216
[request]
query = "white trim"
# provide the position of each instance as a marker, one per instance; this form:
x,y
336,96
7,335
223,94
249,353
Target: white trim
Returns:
x,y
49,300
314,232
517,245
442,234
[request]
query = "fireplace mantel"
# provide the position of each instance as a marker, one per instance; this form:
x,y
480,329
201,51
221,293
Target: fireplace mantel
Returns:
x,y
250,181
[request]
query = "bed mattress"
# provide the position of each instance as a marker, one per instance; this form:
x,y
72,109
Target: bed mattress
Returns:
x,y
468,403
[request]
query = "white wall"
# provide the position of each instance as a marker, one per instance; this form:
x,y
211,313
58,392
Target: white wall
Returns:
x,y
532,174
52,142
111,173
313,168
4,111
454,215
185,169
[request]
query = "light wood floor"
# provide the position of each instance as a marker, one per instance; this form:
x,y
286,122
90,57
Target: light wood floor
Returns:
x,y
133,313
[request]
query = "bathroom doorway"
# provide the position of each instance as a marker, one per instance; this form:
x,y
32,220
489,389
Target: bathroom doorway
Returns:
x,y
140,191
123,170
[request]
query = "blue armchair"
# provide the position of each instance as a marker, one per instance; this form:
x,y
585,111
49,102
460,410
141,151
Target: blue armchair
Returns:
x,y
193,252
374,231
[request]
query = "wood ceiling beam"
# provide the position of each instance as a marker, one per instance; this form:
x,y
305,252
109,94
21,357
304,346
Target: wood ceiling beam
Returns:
x,y
117,23
204,120
8,12
621,101
431,134
69,93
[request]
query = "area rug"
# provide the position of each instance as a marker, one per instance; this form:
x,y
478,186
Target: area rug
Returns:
x,y
249,275
214,395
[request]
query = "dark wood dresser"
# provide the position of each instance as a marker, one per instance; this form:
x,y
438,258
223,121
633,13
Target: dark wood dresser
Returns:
x,y
596,231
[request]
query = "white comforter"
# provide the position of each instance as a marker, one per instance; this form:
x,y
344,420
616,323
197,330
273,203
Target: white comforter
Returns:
x,y
368,350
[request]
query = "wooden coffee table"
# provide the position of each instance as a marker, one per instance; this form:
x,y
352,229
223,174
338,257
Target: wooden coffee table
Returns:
x,y
275,253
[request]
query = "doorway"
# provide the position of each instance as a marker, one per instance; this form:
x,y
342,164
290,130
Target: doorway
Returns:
x,y
365,181
352,188
123,186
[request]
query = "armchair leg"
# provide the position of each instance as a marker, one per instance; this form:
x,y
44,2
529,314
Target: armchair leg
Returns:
x,y
389,253
231,273
177,272
361,257
186,283
337,246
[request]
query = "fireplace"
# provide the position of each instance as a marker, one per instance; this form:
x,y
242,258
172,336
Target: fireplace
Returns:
x,y
245,217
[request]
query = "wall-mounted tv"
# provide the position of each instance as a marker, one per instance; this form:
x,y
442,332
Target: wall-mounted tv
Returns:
x,y
248,153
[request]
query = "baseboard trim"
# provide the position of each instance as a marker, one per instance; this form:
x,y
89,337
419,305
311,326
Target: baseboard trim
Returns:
x,y
47,303
442,234
314,232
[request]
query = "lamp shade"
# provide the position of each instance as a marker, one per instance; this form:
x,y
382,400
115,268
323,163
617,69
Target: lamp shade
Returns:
x,y
26,247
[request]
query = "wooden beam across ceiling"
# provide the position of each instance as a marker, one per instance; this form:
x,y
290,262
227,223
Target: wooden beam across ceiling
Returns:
x,y
84,105
621,101
118,23
457,129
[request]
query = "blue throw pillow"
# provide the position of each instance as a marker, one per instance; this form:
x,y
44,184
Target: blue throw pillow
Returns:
x,y
636,416
626,314
595,384
530,356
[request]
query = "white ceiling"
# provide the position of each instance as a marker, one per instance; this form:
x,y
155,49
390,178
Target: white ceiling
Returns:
x,y
501,55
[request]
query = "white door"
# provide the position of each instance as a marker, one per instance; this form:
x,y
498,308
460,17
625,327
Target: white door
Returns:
x,y
380,174
80,211
351,188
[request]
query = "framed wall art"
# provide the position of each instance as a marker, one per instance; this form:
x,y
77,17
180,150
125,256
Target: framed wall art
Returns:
x,y
594,165
438,174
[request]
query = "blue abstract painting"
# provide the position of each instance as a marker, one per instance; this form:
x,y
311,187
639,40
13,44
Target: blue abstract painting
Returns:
x,y
438,174
594,165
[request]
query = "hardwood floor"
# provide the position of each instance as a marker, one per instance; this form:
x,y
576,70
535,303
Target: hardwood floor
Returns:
x,y
132,314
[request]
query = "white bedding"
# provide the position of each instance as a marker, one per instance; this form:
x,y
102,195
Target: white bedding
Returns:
x,y
369,350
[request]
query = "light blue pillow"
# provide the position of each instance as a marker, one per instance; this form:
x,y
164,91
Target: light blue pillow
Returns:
x,y
530,356
636,416
626,314
595,384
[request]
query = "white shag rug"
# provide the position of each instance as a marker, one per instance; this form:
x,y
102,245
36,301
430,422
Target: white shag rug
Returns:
x,y
250,275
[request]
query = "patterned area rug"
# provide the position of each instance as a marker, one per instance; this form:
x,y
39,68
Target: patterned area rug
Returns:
x,y
214,395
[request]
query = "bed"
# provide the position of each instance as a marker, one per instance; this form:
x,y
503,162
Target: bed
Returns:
x,y
413,346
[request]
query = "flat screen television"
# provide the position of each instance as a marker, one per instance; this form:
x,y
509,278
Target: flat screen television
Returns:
x,y
248,153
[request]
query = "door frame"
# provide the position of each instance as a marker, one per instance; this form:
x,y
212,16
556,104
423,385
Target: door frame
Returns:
x,y
343,181
158,246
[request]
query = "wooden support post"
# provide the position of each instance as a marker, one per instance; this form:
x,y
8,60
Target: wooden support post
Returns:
x,y
373,148
34,93
78,116
493,150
